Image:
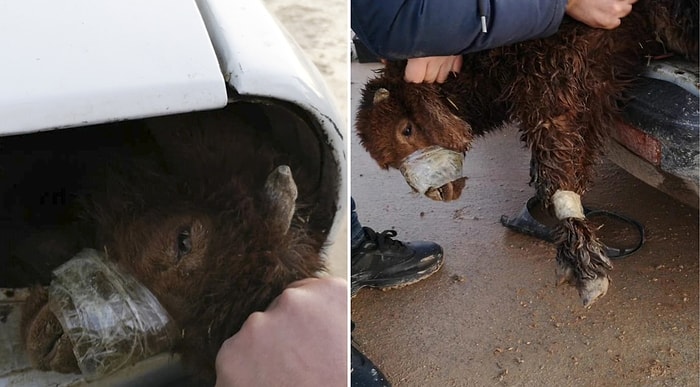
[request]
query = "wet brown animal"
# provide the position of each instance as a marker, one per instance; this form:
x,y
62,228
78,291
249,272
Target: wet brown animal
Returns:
x,y
211,225
563,91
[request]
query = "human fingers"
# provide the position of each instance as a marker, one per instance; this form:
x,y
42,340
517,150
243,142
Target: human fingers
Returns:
x,y
609,23
613,18
606,14
229,363
431,68
443,73
310,289
425,69
457,64
432,72
622,8
415,70
323,282
450,64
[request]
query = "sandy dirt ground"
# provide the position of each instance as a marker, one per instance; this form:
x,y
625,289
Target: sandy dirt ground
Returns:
x,y
492,315
321,30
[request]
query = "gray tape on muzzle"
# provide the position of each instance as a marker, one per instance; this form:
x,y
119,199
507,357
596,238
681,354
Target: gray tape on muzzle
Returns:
x,y
431,167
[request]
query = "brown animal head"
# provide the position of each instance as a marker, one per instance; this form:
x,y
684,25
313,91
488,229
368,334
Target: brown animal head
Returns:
x,y
214,212
211,266
395,119
215,234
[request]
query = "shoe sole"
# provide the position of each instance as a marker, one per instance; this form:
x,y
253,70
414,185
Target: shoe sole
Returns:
x,y
399,285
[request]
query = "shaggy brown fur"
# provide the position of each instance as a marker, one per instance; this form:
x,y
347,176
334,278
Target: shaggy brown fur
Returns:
x,y
193,223
564,92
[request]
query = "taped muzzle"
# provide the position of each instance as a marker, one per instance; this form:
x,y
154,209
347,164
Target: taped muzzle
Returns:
x,y
435,172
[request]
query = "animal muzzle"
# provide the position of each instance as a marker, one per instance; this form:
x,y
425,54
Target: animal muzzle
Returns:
x,y
111,319
435,172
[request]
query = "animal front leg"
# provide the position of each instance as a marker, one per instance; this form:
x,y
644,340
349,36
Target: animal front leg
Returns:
x,y
581,258
560,172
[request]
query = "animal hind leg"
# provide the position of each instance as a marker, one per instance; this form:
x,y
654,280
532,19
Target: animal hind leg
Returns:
x,y
560,170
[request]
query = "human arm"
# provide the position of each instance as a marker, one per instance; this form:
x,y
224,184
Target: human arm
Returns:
x,y
401,29
300,340
424,32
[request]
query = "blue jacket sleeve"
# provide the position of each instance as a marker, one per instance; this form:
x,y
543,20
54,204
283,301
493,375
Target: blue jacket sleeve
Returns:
x,y
400,29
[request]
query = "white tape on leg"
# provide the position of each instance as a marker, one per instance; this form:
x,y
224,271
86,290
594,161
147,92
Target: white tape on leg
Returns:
x,y
567,204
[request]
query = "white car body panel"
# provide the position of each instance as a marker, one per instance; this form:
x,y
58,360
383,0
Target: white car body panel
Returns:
x,y
80,62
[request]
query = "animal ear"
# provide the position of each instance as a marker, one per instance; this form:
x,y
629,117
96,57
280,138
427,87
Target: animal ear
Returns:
x,y
380,95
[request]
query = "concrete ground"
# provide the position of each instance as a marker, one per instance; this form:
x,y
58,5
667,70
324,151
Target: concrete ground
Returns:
x,y
492,315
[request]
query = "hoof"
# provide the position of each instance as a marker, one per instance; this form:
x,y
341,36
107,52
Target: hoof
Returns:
x,y
591,290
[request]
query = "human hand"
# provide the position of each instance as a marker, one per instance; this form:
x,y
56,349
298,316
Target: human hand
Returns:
x,y
599,13
300,340
432,68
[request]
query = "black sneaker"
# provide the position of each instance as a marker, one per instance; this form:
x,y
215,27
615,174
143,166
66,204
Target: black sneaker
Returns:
x,y
384,263
363,373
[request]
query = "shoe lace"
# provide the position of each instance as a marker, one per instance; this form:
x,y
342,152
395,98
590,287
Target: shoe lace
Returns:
x,y
382,239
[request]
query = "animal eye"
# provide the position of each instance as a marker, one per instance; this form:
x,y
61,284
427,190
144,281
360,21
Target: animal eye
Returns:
x,y
184,243
408,130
